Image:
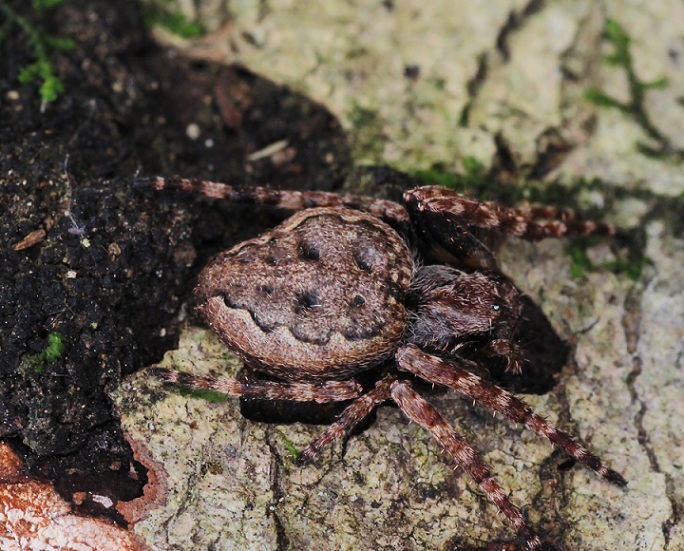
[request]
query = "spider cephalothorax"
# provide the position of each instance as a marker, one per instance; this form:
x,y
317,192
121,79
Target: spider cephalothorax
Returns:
x,y
452,308
349,283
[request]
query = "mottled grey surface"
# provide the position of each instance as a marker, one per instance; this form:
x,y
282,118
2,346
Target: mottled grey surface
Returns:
x,y
485,69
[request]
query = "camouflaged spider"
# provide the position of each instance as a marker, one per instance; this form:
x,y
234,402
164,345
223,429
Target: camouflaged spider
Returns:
x,y
338,289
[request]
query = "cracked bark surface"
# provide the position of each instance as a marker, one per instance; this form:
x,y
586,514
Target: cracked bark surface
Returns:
x,y
499,82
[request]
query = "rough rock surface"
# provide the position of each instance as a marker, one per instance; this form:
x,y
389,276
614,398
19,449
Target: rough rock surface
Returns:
x,y
531,90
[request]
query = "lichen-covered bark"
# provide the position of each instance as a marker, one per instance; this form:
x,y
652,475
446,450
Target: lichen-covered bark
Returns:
x,y
422,84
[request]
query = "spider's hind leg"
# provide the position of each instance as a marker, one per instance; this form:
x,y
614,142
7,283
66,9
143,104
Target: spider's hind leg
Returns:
x,y
388,211
354,414
324,392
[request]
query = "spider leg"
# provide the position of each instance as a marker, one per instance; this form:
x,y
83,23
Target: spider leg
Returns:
x,y
421,412
535,222
348,419
438,371
388,211
327,391
448,219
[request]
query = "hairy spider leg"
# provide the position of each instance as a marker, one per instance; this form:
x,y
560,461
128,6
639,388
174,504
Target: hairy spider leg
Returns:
x,y
348,419
328,391
526,222
388,211
438,371
421,412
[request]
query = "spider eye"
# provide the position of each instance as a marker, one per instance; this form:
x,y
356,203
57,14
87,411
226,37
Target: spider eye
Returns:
x,y
495,307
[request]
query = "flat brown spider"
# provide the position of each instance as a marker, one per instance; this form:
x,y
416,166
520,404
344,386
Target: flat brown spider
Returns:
x,y
335,290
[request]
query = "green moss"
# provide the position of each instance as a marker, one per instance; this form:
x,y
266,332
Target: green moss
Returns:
x,y
473,176
595,95
179,25
435,177
211,396
580,263
621,57
474,179
53,350
289,446
39,5
632,268
41,70
620,40
174,22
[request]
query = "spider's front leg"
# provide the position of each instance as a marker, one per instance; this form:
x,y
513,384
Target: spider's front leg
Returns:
x,y
441,372
421,412
506,348
323,392
447,221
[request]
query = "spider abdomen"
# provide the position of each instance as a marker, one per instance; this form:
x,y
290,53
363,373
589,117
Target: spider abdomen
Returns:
x,y
319,297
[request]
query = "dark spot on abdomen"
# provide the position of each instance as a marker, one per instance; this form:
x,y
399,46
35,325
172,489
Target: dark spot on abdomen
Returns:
x,y
362,260
309,250
308,300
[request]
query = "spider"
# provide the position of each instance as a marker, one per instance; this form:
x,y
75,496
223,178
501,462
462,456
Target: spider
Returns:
x,y
349,283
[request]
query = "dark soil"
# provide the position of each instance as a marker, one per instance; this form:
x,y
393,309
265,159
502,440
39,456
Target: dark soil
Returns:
x,y
102,265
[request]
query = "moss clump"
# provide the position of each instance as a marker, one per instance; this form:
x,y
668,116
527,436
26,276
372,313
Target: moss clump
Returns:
x,y
53,350
211,396
476,180
289,446
174,22
42,69
621,57
580,263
